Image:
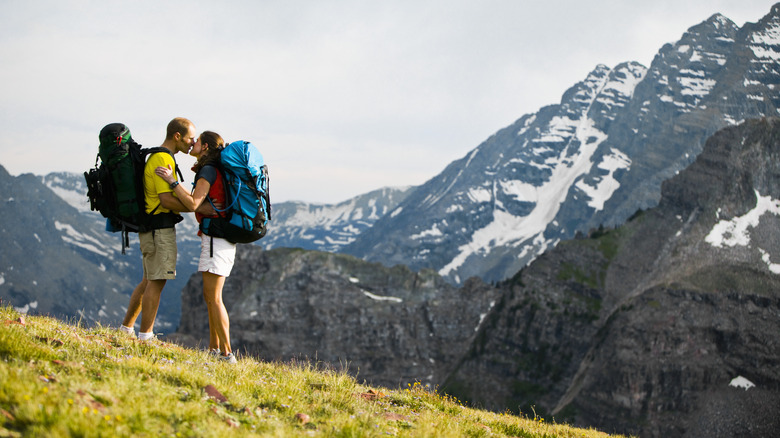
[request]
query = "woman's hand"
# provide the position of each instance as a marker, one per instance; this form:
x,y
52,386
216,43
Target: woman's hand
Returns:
x,y
165,173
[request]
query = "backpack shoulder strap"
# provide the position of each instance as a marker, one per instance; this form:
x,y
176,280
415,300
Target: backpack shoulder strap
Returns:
x,y
157,149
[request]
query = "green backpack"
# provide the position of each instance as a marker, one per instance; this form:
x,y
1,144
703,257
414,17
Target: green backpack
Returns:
x,y
115,187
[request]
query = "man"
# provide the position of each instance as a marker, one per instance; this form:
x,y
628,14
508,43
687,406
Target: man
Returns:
x,y
158,247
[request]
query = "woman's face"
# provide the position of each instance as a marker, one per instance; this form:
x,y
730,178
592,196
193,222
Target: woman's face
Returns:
x,y
198,149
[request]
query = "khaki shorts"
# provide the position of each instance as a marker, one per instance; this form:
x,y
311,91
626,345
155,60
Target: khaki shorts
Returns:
x,y
158,249
221,262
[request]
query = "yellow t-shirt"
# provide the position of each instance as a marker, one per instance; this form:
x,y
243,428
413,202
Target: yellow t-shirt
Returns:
x,y
153,184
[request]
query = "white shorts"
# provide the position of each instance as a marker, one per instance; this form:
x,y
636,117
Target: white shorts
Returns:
x,y
221,262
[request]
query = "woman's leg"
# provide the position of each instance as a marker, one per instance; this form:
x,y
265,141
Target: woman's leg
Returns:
x,y
218,316
213,338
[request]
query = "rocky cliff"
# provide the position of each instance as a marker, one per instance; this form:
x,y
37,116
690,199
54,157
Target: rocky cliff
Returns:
x,y
683,299
388,326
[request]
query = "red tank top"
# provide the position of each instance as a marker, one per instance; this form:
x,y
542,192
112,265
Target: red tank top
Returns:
x,y
217,196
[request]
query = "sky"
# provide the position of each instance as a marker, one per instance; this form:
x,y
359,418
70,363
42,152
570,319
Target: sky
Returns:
x,y
341,97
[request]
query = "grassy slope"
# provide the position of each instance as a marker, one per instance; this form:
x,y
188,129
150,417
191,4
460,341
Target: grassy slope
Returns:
x,y
67,380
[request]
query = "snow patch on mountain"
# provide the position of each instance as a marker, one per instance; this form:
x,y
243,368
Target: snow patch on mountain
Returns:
x,y
735,231
480,195
71,190
382,298
506,227
326,216
560,129
84,241
526,125
741,382
765,44
519,190
432,232
483,315
766,258
621,87
696,86
607,184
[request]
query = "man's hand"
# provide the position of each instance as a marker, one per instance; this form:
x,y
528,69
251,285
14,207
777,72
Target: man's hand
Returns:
x,y
206,209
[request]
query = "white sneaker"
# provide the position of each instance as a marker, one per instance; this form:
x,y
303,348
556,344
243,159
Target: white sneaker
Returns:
x,y
230,358
127,330
147,337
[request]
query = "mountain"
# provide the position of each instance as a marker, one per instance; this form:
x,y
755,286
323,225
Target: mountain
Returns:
x,y
663,327
56,262
636,261
322,227
294,224
72,189
594,159
59,260
329,227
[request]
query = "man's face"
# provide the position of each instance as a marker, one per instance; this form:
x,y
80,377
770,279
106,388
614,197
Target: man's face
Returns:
x,y
187,141
197,149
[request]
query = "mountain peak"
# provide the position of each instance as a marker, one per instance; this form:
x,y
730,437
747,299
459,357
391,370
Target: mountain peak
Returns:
x,y
720,21
714,28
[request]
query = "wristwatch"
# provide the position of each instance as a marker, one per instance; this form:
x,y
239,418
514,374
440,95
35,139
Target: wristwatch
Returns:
x,y
174,184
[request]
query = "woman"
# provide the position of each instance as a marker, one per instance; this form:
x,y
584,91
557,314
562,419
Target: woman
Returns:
x,y
216,254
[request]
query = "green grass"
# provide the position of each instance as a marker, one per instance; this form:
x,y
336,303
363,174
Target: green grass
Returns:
x,y
60,379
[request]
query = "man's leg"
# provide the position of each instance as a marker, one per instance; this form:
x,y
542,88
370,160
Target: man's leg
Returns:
x,y
134,307
159,253
150,303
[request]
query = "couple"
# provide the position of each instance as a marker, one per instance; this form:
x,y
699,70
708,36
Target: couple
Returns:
x,y
164,194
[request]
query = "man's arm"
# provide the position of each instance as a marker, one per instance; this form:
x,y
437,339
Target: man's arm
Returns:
x,y
171,202
206,209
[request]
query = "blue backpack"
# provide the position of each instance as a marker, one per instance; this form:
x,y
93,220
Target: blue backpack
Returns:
x,y
248,205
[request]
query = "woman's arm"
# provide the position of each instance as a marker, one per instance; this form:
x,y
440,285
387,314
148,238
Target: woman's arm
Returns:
x,y
191,202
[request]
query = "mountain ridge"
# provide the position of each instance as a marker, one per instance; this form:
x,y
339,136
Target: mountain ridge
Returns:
x,y
84,247
646,125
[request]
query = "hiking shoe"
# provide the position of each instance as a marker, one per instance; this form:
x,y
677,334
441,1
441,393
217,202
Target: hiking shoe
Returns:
x,y
126,330
230,358
143,337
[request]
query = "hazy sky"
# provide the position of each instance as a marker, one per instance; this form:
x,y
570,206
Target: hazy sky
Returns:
x,y
341,97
